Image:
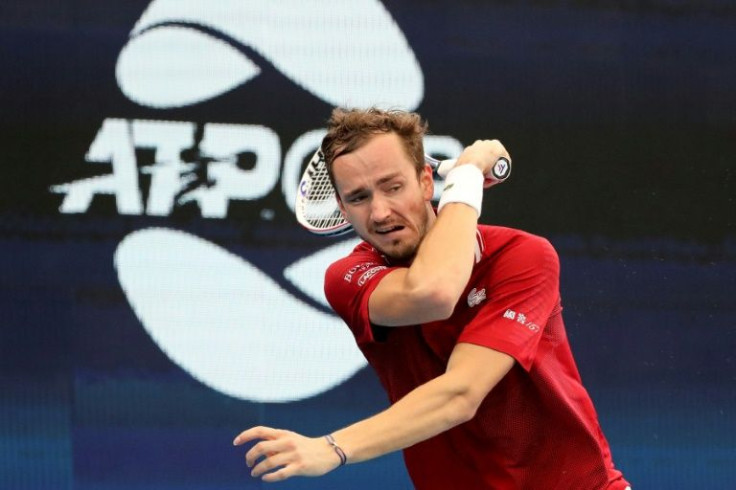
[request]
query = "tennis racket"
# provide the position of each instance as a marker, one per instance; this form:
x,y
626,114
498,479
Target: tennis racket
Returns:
x,y
316,205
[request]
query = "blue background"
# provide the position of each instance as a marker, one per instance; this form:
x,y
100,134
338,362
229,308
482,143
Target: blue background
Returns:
x,y
621,117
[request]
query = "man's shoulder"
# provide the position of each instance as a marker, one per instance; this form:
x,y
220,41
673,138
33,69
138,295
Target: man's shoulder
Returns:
x,y
361,257
510,249
361,252
493,239
348,276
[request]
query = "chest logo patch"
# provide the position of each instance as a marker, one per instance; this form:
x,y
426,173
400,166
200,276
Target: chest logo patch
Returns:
x,y
475,297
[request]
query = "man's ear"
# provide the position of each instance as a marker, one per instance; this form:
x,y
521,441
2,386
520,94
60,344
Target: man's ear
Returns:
x,y
426,181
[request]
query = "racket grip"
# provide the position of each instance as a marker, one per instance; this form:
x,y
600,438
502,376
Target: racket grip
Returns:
x,y
498,173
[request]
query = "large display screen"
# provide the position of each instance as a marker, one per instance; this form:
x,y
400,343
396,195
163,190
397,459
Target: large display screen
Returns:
x,y
159,297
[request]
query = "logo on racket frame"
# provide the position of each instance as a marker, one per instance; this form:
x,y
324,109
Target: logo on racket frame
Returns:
x,y
501,169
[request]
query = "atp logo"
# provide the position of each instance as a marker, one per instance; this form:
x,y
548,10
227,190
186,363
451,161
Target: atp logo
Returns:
x,y
183,53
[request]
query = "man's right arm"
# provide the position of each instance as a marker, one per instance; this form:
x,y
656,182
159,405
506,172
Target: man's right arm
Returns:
x,y
429,289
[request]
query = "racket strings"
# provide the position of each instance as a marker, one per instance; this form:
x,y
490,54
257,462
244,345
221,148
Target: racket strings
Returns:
x,y
320,206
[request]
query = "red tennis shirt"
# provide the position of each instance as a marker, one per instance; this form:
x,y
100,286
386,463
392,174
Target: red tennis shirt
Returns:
x,y
537,429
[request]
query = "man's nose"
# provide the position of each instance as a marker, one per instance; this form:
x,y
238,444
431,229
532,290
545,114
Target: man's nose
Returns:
x,y
380,209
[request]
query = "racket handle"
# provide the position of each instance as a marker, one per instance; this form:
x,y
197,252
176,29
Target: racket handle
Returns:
x,y
498,173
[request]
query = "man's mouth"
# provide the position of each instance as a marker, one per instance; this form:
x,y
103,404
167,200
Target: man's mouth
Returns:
x,y
386,230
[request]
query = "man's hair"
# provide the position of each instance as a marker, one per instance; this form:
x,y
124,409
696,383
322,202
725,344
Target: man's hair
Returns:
x,y
349,129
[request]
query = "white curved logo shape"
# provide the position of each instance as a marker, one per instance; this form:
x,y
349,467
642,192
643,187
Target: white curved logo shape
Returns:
x,y
303,272
348,53
230,325
174,66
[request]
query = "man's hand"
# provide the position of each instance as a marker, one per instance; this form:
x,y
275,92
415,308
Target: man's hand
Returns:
x,y
288,453
484,154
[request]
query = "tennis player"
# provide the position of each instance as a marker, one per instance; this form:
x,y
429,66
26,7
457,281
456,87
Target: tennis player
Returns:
x,y
461,322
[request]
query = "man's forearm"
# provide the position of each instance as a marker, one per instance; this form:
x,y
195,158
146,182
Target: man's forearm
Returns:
x,y
430,288
444,260
426,411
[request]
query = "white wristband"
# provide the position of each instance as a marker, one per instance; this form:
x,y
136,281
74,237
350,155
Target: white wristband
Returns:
x,y
464,184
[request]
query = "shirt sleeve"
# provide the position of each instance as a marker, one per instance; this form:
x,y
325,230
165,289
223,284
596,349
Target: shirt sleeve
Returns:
x,y
349,283
523,292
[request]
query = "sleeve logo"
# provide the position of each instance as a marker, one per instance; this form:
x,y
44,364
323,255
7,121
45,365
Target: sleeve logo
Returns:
x,y
521,319
476,297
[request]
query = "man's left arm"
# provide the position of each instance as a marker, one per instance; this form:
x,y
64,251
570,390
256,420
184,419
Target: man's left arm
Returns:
x,y
430,409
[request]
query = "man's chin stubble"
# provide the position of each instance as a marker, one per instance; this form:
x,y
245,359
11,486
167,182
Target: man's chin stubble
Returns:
x,y
400,255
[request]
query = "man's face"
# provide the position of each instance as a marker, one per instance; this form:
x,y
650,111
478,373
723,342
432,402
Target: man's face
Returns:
x,y
381,196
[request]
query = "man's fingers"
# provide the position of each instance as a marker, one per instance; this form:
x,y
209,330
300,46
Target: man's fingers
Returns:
x,y
271,462
484,154
279,475
267,449
281,454
254,433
